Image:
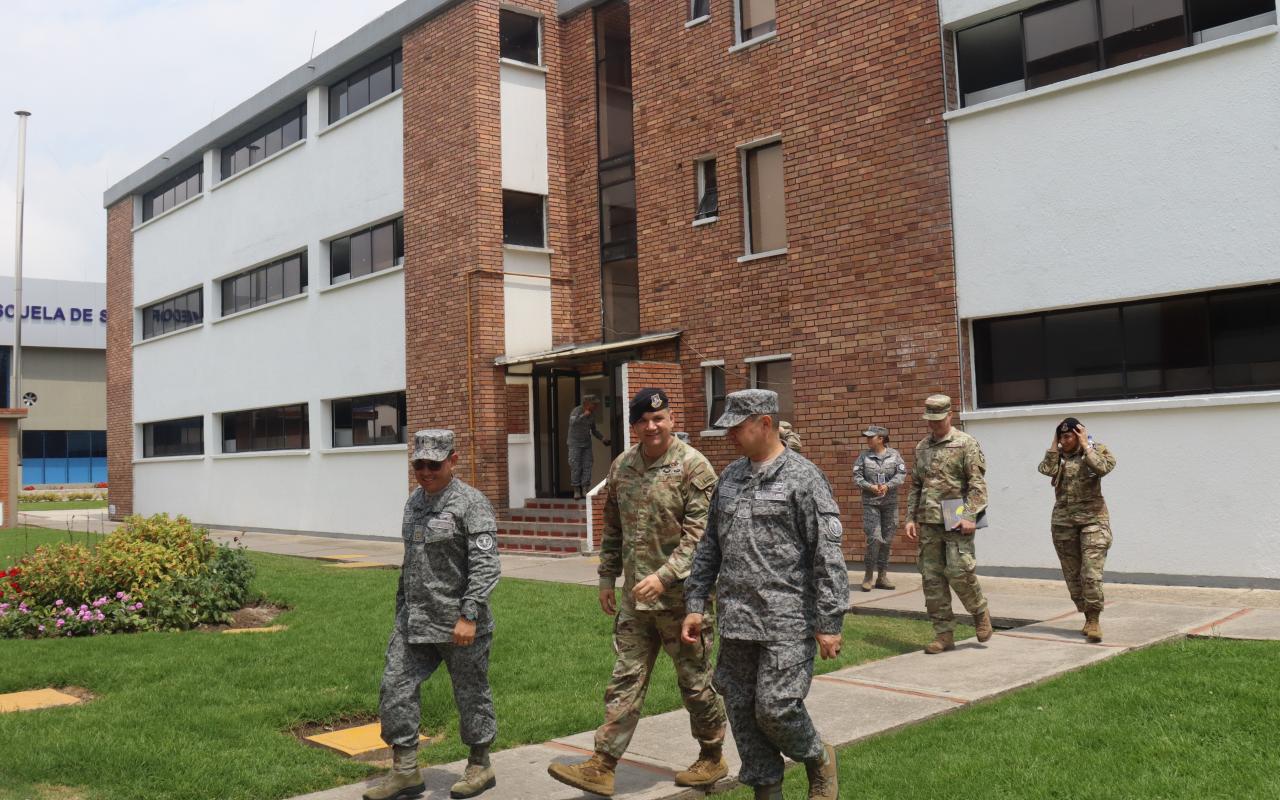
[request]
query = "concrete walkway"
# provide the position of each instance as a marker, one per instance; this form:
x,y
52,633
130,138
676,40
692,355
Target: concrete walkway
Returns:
x,y
1041,640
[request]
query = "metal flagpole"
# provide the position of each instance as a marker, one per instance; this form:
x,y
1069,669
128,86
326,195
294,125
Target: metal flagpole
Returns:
x,y
15,475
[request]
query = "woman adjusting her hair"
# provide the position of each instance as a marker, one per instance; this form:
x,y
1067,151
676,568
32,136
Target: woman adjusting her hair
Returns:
x,y
1081,525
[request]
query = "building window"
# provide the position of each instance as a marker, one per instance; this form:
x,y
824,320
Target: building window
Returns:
x,y
184,311
176,437
1221,341
774,374
699,9
364,86
287,129
1056,41
265,284
173,192
369,420
523,219
279,428
520,37
766,213
756,18
365,252
708,191
713,381
64,457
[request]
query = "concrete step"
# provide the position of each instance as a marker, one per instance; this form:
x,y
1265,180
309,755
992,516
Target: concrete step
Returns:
x,y
539,545
562,515
555,502
545,530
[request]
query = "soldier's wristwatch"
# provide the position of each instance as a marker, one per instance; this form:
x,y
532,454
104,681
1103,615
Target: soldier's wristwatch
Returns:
x,y
470,612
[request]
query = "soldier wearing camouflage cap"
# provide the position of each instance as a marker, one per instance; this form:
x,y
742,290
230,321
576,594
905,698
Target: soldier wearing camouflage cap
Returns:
x,y
949,465
655,512
582,426
878,471
1081,524
442,617
772,553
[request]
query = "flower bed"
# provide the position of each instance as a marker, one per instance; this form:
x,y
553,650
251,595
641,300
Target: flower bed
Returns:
x,y
152,573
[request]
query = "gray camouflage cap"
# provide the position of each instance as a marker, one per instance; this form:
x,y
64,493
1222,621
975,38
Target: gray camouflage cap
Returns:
x,y
738,406
876,430
937,406
432,445
590,398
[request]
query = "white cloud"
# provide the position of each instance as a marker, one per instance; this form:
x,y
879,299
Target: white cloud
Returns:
x,y
113,83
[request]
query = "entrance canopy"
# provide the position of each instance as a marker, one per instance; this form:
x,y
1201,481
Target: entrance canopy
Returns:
x,y
571,352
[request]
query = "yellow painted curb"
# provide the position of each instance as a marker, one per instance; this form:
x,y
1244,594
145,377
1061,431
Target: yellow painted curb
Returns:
x,y
267,629
354,741
34,699
343,557
358,565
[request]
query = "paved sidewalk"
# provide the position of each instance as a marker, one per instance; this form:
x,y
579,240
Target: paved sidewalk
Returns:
x,y
1042,640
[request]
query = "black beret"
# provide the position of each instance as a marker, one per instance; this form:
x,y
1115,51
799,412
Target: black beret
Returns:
x,y
647,400
1068,425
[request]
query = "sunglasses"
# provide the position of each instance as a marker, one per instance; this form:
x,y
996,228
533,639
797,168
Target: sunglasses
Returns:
x,y
430,466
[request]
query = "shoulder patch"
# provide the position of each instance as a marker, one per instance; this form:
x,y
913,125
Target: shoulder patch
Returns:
x,y
485,542
703,479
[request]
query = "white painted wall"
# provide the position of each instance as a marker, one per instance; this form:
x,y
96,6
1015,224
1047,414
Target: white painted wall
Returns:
x,y
1193,492
523,99
521,467
326,344
71,313
1156,181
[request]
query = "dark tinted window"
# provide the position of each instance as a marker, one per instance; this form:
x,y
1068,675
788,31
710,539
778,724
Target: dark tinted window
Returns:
x,y
1061,42
708,190
519,36
1209,14
369,420
364,252
699,8
522,219
279,428
1215,342
177,189
990,55
1137,29
176,313
271,138
715,395
179,437
364,86
265,284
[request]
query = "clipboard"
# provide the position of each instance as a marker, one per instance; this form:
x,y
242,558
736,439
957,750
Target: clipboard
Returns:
x,y
953,512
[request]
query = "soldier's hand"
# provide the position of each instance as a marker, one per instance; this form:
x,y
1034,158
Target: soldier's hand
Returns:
x,y
606,442
691,630
649,589
464,632
829,644
910,531
1082,434
967,527
609,601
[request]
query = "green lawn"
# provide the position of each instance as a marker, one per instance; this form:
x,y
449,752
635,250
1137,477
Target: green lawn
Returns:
x,y
1194,719
64,505
199,715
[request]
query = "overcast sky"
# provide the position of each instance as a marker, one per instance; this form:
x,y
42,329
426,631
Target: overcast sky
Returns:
x,y
111,84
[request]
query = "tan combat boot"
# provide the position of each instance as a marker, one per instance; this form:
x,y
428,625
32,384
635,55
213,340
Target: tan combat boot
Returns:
x,y
476,779
771,792
594,775
1092,626
823,778
868,577
709,768
943,641
982,625
405,780
882,582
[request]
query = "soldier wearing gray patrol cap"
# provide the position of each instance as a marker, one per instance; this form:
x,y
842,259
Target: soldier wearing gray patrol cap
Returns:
x,y
442,616
878,471
771,552
582,426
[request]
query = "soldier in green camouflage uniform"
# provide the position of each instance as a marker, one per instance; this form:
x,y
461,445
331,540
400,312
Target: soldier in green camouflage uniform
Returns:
x,y
1080,524
655,513
948,465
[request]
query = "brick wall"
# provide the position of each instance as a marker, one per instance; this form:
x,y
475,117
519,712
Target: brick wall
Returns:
x,y
120,357
518,408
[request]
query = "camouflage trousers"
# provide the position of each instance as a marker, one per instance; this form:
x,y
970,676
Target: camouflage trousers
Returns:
x,y
1082,551
948,562
764,686
879,523
581,460
409,666
637,638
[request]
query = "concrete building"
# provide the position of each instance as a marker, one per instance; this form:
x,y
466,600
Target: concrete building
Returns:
x,y
64,435
471,213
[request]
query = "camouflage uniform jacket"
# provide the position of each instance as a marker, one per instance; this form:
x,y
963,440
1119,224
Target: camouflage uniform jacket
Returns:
x,y
450,563
772,553
582,426
871,470
1077,484
951,468
653,519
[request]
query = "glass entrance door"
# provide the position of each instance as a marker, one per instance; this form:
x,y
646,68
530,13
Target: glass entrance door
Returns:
x,y
555,393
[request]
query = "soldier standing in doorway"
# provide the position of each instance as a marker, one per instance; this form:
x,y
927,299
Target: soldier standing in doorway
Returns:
x,y
582,426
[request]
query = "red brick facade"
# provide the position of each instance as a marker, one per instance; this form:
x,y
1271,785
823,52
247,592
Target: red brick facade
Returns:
x,y
120,357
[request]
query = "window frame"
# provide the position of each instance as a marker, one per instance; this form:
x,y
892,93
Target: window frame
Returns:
x,y
148,447
739,40
305,430
402,419
700,174
397,249
155,306
363,73
276,124
744,159
709,371
181,178
539,22
754,363
542,220
694,15
228,282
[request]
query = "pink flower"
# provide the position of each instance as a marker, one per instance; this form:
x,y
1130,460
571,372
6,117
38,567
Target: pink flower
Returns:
x,y
59,623
23,608
41,628
137,606
57,602
120,595
99,617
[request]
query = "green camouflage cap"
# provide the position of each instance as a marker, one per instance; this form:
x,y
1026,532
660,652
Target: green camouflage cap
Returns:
x,y
937,406
432,445
738,406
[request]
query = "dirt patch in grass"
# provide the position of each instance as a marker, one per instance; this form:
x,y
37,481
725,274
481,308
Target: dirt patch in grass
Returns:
x,y
82,693
47,792
258,615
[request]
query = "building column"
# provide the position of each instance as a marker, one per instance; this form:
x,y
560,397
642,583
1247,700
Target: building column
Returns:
x,y
120,358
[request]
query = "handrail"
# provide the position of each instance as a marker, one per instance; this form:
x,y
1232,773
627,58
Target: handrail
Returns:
x,y
590,517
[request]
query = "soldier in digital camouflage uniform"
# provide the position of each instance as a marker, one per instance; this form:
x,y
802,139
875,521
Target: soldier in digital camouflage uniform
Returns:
x,y
655,512
442,616
772,553
878,473
1080,524
582,426
948,465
